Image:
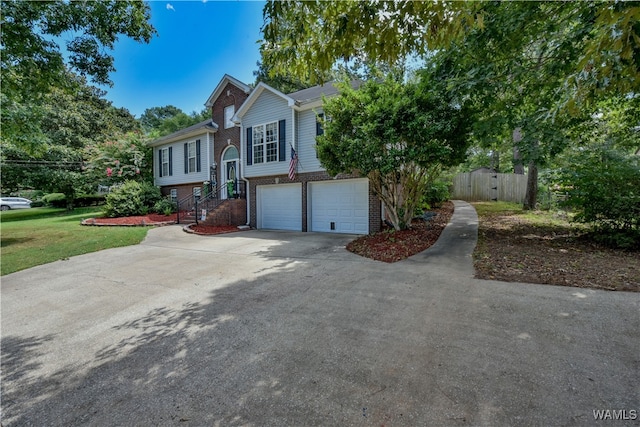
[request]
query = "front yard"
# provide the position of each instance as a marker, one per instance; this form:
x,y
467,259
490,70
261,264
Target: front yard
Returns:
x,y
544,247
31,237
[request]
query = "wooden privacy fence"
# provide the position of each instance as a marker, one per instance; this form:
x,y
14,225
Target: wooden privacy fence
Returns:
x,y
507,187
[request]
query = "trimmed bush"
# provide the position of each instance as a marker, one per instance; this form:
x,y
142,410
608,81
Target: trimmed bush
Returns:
x,y
56,200
437,194
165,206
130,199
89,199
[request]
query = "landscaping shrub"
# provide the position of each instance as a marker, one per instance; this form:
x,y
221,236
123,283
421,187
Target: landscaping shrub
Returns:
x,y
603,186
165,206
89,199
56,200
130,199
38,203
437,194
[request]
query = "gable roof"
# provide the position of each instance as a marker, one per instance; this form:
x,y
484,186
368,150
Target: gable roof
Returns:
x,y
204,126
314,94
255,94
223,82
299,100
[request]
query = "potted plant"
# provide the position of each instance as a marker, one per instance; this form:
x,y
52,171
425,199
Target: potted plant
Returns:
x,y
231,189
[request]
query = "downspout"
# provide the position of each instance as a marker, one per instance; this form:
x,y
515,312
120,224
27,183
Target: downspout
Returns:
x,y
293,129
246,181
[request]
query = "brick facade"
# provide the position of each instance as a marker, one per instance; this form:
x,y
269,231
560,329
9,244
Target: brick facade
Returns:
x,y
230,95
229,212
184,190
375,221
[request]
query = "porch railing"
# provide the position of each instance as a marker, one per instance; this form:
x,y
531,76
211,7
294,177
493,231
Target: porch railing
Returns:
x,y
192,205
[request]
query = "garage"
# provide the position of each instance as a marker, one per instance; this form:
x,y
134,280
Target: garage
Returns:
x,y
339,206
279,207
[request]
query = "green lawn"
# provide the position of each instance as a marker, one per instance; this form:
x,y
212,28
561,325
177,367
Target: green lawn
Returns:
x,y
536,218
30,237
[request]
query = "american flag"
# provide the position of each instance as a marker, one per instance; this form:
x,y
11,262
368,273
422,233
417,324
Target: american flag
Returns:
x,y
292,164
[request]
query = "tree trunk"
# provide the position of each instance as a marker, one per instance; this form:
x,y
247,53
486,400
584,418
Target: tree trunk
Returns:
x,y
531,196
518,168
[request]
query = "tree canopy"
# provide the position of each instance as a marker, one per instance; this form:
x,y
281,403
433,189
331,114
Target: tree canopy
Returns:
x,y
309,37
50,111
399,135
32,59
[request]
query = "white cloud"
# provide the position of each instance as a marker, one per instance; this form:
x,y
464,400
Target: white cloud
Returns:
x,y
170,7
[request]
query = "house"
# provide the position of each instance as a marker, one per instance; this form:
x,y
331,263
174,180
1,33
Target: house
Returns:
x,y
273,125
192,162
280,194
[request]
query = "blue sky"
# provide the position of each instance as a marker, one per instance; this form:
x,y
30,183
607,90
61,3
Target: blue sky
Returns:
x,y
198,42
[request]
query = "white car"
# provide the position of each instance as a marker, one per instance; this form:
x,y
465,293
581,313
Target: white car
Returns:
x,y
7,203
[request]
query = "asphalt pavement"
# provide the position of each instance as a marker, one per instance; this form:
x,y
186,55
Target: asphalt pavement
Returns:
x,y
262,328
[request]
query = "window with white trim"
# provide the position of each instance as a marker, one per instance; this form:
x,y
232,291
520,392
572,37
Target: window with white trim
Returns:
x,y
228,115
164,156
174,194
265,143
191,156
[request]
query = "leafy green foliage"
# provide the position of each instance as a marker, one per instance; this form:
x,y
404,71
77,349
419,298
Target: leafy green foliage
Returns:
x,y
594,45
398,135
48,110
604,191
32,60
165,206
307,38
284,82
436,194
130,199
116,161
56,200
160,121
601,174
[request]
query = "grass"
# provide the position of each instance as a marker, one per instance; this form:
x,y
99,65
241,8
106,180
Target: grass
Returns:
x,y
543,218
31,237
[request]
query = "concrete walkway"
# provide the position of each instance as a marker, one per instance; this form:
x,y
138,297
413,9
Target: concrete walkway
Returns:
x,y
289,329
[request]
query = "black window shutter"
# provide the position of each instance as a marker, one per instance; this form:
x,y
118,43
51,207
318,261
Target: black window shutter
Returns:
x,y
170,161
198,168
160,163
319,128
186,158
249,146
282,140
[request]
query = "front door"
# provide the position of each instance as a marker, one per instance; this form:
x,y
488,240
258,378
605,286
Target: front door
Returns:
x,y
230,163
231,166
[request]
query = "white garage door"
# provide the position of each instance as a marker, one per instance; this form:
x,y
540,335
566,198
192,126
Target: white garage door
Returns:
x,y
279,206
340,206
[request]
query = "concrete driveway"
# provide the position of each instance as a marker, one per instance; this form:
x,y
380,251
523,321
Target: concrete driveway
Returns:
x,y
289,329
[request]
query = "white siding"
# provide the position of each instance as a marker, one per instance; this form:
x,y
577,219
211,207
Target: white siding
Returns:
x,y
306,141
178,176
267,108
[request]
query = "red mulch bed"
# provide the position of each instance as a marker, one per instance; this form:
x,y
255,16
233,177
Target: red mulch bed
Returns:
x,y
149,219
391,246
212,229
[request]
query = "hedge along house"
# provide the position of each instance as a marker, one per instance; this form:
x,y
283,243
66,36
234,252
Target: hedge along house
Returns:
x,y
297,195
191,162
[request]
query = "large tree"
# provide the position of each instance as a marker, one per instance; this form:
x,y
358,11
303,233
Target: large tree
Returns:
x,y
533,68
399,135
307,38
32,60
48,109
